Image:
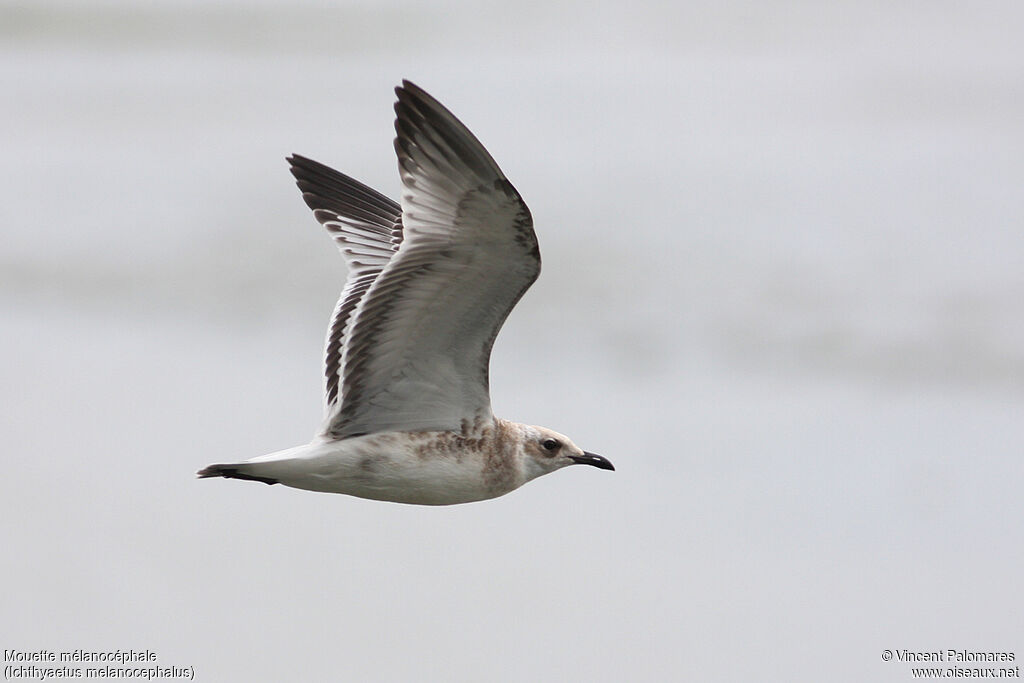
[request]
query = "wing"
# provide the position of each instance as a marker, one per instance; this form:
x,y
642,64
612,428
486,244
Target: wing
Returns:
x,y
418,350
367,228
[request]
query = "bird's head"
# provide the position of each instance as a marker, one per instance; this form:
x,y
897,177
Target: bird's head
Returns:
x,y
545,450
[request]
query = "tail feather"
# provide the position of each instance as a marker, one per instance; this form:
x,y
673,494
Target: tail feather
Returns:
x,y
232,472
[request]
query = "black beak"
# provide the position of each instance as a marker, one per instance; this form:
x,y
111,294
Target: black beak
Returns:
x,y
593,459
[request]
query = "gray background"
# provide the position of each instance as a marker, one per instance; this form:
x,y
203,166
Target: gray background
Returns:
x,y
782,292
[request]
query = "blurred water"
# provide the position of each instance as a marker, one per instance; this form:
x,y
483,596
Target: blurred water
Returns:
x,y
782,292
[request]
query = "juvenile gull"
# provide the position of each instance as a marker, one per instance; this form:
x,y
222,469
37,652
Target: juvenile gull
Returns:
x,y
430,282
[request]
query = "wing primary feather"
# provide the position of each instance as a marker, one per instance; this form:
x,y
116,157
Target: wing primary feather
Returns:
x,y
418,346
367,227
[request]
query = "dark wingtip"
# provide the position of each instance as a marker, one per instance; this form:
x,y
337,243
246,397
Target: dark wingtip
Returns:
x,y
297,160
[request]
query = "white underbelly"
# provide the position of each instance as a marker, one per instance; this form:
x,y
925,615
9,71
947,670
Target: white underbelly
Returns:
x,y
361,467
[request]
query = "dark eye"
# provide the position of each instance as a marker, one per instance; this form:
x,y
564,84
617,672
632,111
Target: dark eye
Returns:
x,y
551,445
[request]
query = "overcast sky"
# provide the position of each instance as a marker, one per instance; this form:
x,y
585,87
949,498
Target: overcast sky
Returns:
x,y
782,291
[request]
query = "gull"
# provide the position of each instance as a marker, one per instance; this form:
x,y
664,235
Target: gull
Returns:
x,y
407,409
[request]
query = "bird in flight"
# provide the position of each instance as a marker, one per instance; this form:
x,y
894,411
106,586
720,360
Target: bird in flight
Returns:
x,y
430,282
